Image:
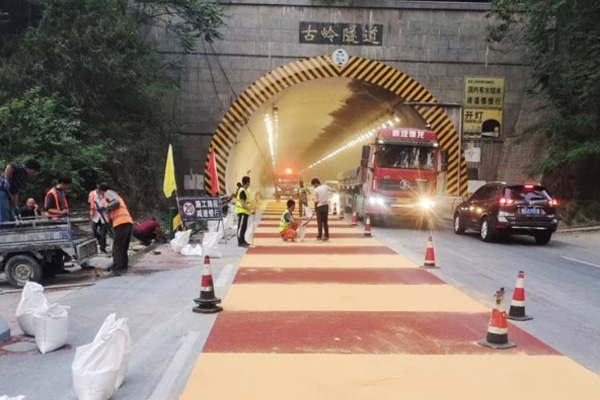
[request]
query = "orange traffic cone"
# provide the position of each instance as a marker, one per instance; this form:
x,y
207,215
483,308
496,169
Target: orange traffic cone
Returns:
x,y
497,334
354,218
368,226
207,302
429,255
341,216
517,305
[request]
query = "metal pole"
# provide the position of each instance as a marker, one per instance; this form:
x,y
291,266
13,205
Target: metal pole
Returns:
x,y
460,123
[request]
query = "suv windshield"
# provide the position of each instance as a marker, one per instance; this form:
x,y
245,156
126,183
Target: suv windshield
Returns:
x,y
522,194
406,157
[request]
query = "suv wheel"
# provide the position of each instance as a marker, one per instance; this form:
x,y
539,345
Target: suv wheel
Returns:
x,y
543,238
486,232
459,227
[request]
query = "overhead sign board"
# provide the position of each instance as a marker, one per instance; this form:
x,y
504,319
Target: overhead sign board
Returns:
x,y
342,34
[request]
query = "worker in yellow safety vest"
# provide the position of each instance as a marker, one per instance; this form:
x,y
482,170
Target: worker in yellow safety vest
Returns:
x,y
55,203
122,224
243,211
302,198
288,225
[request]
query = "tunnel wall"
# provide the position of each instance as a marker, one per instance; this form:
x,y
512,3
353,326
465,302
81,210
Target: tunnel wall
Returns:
x,y
438,44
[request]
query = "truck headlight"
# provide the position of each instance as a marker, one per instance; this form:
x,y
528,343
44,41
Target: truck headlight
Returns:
x,y
427,204
376,200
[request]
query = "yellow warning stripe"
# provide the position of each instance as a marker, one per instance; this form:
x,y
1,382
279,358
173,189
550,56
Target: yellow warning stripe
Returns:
x,y
390,78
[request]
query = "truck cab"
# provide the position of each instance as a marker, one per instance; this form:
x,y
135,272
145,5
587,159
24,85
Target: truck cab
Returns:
x,y
286,184
398,173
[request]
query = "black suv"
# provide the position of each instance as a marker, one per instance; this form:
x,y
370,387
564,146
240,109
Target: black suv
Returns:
x,y
498,208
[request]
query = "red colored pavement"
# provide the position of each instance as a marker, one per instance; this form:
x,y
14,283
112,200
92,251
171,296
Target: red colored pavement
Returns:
x,y
392,276
360,333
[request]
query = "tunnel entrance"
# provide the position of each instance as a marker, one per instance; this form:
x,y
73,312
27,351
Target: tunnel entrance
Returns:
x,y
312,117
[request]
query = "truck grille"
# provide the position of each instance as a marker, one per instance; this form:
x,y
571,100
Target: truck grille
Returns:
x,y
395,185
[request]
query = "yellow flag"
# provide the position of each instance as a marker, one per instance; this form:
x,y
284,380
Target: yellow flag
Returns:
x,y
169,184
176,221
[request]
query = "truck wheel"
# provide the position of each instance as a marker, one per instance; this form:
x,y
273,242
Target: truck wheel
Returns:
x,y
21,269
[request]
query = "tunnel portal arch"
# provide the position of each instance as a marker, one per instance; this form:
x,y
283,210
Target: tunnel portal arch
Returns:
x,y
319,67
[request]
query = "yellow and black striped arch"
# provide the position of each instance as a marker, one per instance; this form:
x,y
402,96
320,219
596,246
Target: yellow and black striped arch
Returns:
x,y
363,69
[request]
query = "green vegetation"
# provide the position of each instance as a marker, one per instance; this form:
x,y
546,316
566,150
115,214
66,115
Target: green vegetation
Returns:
x,y
82,92
562,42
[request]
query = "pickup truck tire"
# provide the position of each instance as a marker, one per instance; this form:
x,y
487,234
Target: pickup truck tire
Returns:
x,y
21,269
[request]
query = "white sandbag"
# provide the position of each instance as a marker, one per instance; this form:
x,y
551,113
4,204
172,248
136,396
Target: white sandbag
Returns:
x,y
190,250
32,299
180,240
111,323
301,233
51,327
216,226
210,243
228,221
249,229
5,397
308,212
98,365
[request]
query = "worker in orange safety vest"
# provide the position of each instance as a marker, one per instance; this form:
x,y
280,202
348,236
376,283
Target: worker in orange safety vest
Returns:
x,y
122,224
56,204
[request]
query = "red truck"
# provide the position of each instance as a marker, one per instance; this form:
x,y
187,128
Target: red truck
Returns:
x,y
397,175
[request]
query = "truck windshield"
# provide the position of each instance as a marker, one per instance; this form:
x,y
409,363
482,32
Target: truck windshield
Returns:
x,y
406,157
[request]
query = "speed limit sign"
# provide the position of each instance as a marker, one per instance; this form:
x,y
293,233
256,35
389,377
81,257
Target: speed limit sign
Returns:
x,y
188,208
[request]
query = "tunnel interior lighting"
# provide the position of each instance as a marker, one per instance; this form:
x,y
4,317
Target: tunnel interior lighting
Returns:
x,y
356,140
269,125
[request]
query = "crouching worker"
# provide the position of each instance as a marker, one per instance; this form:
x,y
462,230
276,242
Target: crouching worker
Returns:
x,y
288,225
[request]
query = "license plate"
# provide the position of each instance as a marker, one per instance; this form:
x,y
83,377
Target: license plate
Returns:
x,y
530,211
403,201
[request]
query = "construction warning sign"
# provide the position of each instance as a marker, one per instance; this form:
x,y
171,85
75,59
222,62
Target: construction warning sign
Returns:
x,y
200,208
481,92
482,122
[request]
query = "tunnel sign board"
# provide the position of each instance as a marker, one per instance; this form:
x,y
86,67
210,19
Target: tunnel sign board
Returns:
x,y
482,122
200,208
483,101
484,92
342,34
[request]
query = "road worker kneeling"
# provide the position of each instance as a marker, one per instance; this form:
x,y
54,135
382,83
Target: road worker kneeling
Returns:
x,y
288,225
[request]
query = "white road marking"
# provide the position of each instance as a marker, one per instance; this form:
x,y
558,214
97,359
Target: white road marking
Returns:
x,y
224,276
580,262
186,344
